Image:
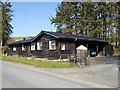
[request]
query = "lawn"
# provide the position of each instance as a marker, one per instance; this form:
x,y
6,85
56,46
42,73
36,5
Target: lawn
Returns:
x,y
37,63
21,38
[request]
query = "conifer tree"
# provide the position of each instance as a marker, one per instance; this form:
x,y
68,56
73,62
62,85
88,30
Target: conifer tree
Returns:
x,y
7,15
96,19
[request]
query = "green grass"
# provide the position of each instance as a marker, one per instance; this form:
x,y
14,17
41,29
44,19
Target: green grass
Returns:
x,y
21,38
36,63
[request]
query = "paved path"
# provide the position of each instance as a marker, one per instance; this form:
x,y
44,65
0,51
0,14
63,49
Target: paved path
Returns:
x,y
23,76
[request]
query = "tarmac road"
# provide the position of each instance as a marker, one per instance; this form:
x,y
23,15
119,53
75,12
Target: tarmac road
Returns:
x,y
25,76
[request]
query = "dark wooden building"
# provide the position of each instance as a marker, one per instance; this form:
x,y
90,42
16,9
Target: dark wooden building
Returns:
x,y
53,45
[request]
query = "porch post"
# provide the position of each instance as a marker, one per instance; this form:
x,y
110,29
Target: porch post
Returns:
x,y
97,50
88,51
87,46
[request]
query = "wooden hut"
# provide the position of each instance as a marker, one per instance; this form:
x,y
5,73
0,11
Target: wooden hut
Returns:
x,y
53,45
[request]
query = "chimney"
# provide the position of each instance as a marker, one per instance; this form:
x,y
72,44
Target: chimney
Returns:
x,y
24,38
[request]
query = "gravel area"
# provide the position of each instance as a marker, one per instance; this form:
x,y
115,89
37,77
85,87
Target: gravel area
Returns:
x,y
103,70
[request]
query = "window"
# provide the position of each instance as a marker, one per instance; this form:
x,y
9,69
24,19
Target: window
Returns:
x,y
62,46
52,45
23,47
32,46
14,48
39,45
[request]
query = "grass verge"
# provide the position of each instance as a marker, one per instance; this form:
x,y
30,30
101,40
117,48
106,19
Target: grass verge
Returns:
x,y
36,63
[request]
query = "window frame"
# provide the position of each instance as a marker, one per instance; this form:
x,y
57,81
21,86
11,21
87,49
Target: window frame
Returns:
x,y
40,45
23,47
51,44
14,48
61,47
32,46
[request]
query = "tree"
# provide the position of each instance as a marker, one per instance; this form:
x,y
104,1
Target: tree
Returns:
x,y
0,24
6,29
118,24
96,19
66,17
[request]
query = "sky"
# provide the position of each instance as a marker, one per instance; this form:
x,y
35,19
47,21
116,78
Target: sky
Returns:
x,y
30,18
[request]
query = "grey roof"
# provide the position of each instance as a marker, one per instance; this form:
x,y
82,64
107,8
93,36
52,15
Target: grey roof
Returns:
x,y
60,35
71,36
21,41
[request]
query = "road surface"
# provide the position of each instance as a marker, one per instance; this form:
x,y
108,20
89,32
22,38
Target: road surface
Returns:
x,y
25,76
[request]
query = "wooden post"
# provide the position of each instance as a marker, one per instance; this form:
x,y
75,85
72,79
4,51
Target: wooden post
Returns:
x,y
88,54
97,50
60,57
87,46
59,45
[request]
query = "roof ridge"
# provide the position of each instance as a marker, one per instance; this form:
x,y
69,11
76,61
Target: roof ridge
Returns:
x,y
62,35
82,36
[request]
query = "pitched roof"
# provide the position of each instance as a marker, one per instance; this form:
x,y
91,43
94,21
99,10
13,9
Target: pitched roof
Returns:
x,y
60,35
71,36
21,41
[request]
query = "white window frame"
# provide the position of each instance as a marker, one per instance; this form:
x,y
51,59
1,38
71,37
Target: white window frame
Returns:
x,y
23,47
14,48
39,45
32,46
63,47
52,45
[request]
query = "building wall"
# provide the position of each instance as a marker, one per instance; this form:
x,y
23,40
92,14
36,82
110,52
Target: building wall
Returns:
x,y
19,50
70,47
24,53
45,52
